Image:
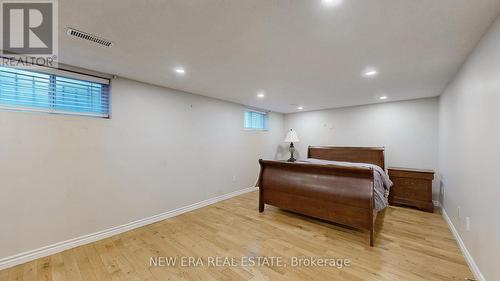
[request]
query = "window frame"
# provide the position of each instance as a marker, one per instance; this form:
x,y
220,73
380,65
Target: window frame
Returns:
x,y
265,120
52,87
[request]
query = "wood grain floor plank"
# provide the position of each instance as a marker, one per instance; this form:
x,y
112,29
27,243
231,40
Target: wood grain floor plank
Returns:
x,y
4,274
58,272
16,273
30,271
410,245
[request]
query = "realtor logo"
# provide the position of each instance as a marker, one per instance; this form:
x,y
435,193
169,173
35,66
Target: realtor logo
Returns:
x,y
29,31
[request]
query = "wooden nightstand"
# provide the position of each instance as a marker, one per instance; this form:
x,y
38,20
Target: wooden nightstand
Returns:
x,y
412,187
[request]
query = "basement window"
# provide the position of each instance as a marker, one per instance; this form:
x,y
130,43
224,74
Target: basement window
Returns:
x,y
54,91
256,120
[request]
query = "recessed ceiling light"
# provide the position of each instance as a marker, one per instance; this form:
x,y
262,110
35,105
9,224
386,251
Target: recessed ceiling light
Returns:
x,y
370,72
383,97
332,3
261,95
300,108
180,70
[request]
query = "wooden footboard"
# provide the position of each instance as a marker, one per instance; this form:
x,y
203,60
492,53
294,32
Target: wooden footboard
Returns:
x,y
335,193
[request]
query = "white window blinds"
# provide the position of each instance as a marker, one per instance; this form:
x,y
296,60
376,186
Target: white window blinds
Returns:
x,y
255,120
54,93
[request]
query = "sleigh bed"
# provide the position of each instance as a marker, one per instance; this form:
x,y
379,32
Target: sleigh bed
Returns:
x,y
337,184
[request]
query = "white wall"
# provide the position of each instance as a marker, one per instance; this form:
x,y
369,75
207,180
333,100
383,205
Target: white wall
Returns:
x,y
407,129
67,176
470,154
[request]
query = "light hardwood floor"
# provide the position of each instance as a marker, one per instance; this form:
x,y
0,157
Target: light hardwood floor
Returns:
x,y
409,245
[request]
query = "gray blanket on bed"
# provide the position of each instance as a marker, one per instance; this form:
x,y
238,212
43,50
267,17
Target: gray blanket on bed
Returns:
x,y
382,183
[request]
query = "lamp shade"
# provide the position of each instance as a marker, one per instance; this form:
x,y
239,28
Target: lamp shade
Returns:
x,y
291,136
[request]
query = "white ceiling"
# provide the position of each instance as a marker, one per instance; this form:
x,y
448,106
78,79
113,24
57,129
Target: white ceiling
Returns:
x,y
299,52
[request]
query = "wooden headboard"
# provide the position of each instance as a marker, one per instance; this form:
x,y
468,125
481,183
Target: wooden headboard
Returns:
x,y
371,155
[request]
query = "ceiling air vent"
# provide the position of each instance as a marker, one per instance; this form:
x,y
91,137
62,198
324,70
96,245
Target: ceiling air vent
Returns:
x,y
89,37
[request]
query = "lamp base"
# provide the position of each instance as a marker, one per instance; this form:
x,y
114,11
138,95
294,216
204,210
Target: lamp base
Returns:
x,y
292,150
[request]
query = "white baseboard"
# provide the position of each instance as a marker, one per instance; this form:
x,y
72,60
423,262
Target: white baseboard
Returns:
x,y
75,242
470,261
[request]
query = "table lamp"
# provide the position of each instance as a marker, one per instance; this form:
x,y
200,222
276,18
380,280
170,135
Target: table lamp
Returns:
x,y
291,137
